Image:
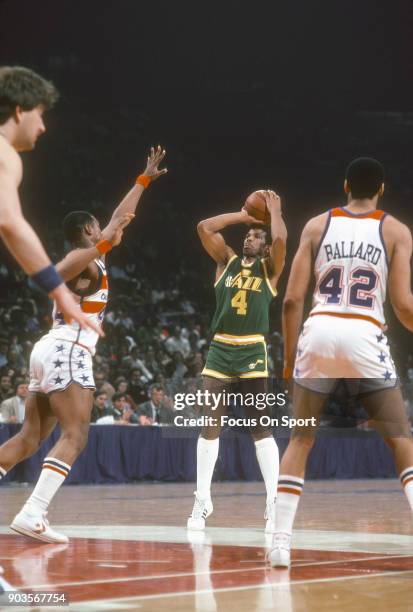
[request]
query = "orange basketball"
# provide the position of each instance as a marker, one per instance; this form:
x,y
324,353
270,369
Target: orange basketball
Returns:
x,y
256,207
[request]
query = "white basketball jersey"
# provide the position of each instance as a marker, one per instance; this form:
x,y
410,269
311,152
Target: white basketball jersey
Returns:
x,y
93,305
351,266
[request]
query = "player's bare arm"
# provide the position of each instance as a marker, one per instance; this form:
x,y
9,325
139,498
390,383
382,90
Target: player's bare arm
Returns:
x,y
298,282
80,260
150,174
276,259
398,241
209,231
20,238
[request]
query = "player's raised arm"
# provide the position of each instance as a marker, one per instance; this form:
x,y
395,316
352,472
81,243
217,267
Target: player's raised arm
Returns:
x,y
77,261
150,174
209,231
278,236
293,304
399,280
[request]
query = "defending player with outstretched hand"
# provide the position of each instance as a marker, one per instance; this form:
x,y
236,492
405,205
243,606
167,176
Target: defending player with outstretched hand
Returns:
x,y
61,375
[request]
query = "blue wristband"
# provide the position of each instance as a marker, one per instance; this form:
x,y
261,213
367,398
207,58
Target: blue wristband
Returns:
x,y
47,279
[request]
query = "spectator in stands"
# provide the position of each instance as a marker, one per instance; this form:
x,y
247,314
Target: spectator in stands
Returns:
x,y
12,409
122,386
100,406
15,360
179,370
177,342
137,386
122,410
4,347
192,334
156,410
151,362
6,388
103,385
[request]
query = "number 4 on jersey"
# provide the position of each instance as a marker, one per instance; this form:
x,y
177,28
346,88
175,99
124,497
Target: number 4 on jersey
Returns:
x,y
239,301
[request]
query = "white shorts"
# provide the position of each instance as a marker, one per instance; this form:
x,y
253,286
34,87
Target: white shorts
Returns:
x,y
55,364
332,348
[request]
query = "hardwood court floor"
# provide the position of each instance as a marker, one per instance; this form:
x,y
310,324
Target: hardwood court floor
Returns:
x,y
129,550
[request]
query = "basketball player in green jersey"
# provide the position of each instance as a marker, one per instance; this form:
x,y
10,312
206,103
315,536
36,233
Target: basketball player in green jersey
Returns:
x,y
244,288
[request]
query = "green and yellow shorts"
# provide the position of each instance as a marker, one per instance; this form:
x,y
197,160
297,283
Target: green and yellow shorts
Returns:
x,y
237,357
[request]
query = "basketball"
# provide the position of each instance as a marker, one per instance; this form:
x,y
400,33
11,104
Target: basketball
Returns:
x,y
256,206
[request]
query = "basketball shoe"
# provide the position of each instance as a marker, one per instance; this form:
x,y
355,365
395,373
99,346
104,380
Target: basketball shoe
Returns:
x,y
280,555
201,510
37,526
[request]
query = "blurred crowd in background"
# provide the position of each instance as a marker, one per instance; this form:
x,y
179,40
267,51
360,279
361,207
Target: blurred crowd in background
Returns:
x,y
155,344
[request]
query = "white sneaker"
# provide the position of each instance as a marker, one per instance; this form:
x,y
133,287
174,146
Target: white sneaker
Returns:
x,y
37,527
280,555
201,510
269,515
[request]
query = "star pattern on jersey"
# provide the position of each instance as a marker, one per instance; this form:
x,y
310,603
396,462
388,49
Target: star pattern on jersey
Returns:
x,y
60,348
80,365
58,380
84,378
58,363
382,357
387,375
81,354
380,338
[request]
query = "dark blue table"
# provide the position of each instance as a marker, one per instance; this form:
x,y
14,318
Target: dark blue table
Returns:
x,y
121,454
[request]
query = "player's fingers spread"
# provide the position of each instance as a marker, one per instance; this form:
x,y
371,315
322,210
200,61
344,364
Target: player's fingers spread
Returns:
x,y
92,325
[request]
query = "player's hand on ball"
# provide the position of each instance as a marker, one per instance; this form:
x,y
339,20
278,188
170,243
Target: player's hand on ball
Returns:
x,y
154,159
248,219
272,200
114,231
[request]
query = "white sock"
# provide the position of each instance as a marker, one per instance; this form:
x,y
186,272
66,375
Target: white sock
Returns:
x,y
52,476
206,455
406,478
289,491
269,462
2,472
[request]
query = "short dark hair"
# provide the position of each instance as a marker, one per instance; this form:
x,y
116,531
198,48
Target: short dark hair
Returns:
x,y
74,223
118,396
156,387
364,176
98,393
23,87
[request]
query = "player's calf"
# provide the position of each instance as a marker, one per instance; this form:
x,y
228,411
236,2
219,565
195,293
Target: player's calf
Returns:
x,y
16,449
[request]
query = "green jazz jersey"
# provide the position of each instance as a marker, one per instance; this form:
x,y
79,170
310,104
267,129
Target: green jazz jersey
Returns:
x,y
243,294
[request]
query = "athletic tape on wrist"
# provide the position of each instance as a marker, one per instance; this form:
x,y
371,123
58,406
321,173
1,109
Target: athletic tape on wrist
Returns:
x,y
144,180
104,246
47,279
